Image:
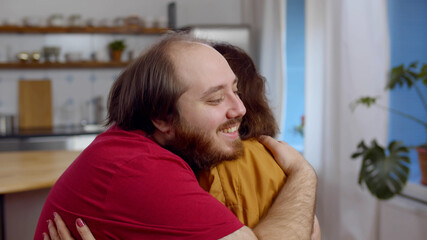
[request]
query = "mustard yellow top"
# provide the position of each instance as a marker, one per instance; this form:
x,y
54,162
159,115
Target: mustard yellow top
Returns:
x,y
247,185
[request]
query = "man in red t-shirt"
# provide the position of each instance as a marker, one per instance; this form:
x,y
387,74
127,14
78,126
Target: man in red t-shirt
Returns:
x,y
180,95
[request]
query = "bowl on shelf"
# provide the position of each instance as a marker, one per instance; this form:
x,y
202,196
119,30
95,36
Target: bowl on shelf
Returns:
x,y
23,57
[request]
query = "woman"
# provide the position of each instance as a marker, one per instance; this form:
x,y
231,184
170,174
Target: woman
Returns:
x,y
249,184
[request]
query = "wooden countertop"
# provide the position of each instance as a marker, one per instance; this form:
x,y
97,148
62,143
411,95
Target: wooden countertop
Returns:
x,y
31,170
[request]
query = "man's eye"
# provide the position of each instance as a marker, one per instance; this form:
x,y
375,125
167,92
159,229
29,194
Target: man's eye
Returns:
x,y
215,100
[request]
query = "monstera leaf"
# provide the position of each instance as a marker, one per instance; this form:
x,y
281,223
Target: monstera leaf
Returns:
x,y
403,76
367,101
423,74
384,175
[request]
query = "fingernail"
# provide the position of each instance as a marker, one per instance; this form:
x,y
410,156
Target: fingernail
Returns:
x,y
80,222
55,214
48,222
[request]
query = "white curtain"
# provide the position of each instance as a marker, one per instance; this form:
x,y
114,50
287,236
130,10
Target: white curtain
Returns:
x,y
267,21
347,56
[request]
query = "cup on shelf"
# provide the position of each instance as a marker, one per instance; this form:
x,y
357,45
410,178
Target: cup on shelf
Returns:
x,y
119,22
32,21
104,22
55,20
7,124
10,22
161,22
90,22
73,56
132,21
75,20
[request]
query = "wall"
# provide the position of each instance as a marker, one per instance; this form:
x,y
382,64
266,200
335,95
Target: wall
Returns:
x,y
402,218
74,89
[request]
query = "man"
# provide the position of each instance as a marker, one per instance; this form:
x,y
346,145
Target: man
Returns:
x,y
181,95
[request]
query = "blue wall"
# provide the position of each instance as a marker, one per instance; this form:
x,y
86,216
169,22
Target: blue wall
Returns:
x,y
295,54
408,34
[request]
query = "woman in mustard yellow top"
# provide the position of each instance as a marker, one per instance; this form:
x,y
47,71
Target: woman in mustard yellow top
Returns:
x,y
249,184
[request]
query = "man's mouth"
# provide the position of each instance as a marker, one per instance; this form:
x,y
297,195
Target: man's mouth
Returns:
x,y
232,126
230,129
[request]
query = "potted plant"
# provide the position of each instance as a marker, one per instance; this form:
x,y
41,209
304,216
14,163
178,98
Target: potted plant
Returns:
x,y
116,48
385,171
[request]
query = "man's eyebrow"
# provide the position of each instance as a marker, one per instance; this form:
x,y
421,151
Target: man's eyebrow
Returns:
x,y
212,90
216,88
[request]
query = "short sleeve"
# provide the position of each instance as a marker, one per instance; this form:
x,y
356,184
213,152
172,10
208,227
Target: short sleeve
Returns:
x,y
168,204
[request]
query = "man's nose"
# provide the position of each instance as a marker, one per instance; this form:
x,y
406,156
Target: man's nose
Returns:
x,y
237,109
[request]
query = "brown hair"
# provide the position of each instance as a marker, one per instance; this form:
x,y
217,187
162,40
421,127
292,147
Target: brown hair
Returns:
x,y
259,119
147,89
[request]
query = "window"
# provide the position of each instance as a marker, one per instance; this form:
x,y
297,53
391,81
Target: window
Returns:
x,y
408,38
295,58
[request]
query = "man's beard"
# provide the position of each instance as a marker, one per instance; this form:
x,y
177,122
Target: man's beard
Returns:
x,y
198,149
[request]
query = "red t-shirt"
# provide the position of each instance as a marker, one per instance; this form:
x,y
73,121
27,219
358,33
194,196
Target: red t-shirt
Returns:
x,y
126,186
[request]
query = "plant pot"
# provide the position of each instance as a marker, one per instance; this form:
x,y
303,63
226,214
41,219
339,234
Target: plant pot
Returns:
x,y
422,161
116,55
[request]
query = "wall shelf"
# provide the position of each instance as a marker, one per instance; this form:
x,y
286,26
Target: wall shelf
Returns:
x,y
63,65
96,30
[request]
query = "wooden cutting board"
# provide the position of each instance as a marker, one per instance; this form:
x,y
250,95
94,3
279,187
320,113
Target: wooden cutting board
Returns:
x,y
35,104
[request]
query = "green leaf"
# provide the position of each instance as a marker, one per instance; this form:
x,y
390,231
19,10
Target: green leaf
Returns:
x,y
413,65
423,74
396,76
403,76
408,80
384,175
367,101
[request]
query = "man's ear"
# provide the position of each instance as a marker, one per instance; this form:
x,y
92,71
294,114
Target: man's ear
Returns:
x,y
164,132
163,126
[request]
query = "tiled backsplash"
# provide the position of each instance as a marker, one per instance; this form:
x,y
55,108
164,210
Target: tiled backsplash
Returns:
x,y
72,91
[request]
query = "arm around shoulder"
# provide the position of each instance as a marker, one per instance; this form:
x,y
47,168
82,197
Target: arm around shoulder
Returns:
x,y
292,214
244,233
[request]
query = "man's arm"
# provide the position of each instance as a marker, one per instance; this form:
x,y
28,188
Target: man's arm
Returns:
x,y
292,213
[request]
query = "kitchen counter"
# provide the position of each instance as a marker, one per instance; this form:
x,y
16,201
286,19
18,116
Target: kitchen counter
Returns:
x,y
32,170
57,131
22,175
